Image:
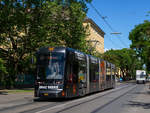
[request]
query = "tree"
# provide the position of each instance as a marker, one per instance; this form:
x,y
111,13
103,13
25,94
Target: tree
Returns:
x,y
140,37
66,25
125,59
27,25
3,72
20,33
69,2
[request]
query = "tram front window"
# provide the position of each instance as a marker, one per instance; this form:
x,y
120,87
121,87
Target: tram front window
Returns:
x,y
51,67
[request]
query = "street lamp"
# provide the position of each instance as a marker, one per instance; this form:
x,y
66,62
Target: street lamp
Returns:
x,y
116,33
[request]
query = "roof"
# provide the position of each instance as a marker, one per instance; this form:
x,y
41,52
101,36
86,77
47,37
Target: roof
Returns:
x,y
95,25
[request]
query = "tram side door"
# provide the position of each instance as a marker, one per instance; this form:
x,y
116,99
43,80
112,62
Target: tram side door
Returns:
x,y
82,78
71,76
102,75
77,71
113,76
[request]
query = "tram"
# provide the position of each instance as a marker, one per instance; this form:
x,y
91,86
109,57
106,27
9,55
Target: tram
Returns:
x,y
65,73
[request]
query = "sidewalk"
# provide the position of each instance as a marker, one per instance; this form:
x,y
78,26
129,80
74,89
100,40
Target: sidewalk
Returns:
x,y
130,81
10,98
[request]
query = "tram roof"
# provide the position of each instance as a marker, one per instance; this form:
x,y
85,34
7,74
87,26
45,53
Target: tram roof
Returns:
x,y
60,48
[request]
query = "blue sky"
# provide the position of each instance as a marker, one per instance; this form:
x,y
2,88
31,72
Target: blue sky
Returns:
x,y
122,15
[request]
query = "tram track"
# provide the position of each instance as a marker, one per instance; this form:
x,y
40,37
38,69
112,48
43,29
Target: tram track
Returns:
x,y
110,102
50,107
54,104
101,107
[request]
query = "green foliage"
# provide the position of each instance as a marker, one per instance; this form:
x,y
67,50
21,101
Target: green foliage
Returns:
x,y
20,34
3,72
124,59
140,37
65,25
69,2
2,67
26,25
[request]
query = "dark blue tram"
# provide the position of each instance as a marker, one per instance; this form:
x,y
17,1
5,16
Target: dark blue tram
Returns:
x,y
64,73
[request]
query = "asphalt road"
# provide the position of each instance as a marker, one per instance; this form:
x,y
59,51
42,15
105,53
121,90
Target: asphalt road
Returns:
x,y
125,98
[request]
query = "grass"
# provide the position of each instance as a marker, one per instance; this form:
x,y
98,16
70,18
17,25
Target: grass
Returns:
x,y
16,90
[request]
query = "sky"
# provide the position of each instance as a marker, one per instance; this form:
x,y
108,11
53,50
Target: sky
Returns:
x,y
122,16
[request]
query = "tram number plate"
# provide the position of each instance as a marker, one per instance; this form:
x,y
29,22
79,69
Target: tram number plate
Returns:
x,y
45,94
52,87
48,87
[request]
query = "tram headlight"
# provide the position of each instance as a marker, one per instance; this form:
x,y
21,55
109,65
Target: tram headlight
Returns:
x,y
59,82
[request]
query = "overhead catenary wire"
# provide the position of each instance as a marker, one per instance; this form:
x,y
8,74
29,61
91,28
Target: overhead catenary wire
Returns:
x,y
114,43
110,27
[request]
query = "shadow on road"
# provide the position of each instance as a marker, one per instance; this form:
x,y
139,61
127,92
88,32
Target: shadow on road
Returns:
x,y
139,104
143,93
40,99
53,99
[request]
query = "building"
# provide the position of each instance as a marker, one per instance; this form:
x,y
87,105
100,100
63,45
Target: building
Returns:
x,y
96,35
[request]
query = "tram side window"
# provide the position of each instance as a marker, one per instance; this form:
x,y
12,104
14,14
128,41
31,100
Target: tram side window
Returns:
x,y
68,71
82,71
75,72
108,74
94,72
113,73
72,69
72,72
91,72
103,70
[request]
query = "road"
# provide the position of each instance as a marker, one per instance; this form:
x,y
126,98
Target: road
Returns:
x,y
125,98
